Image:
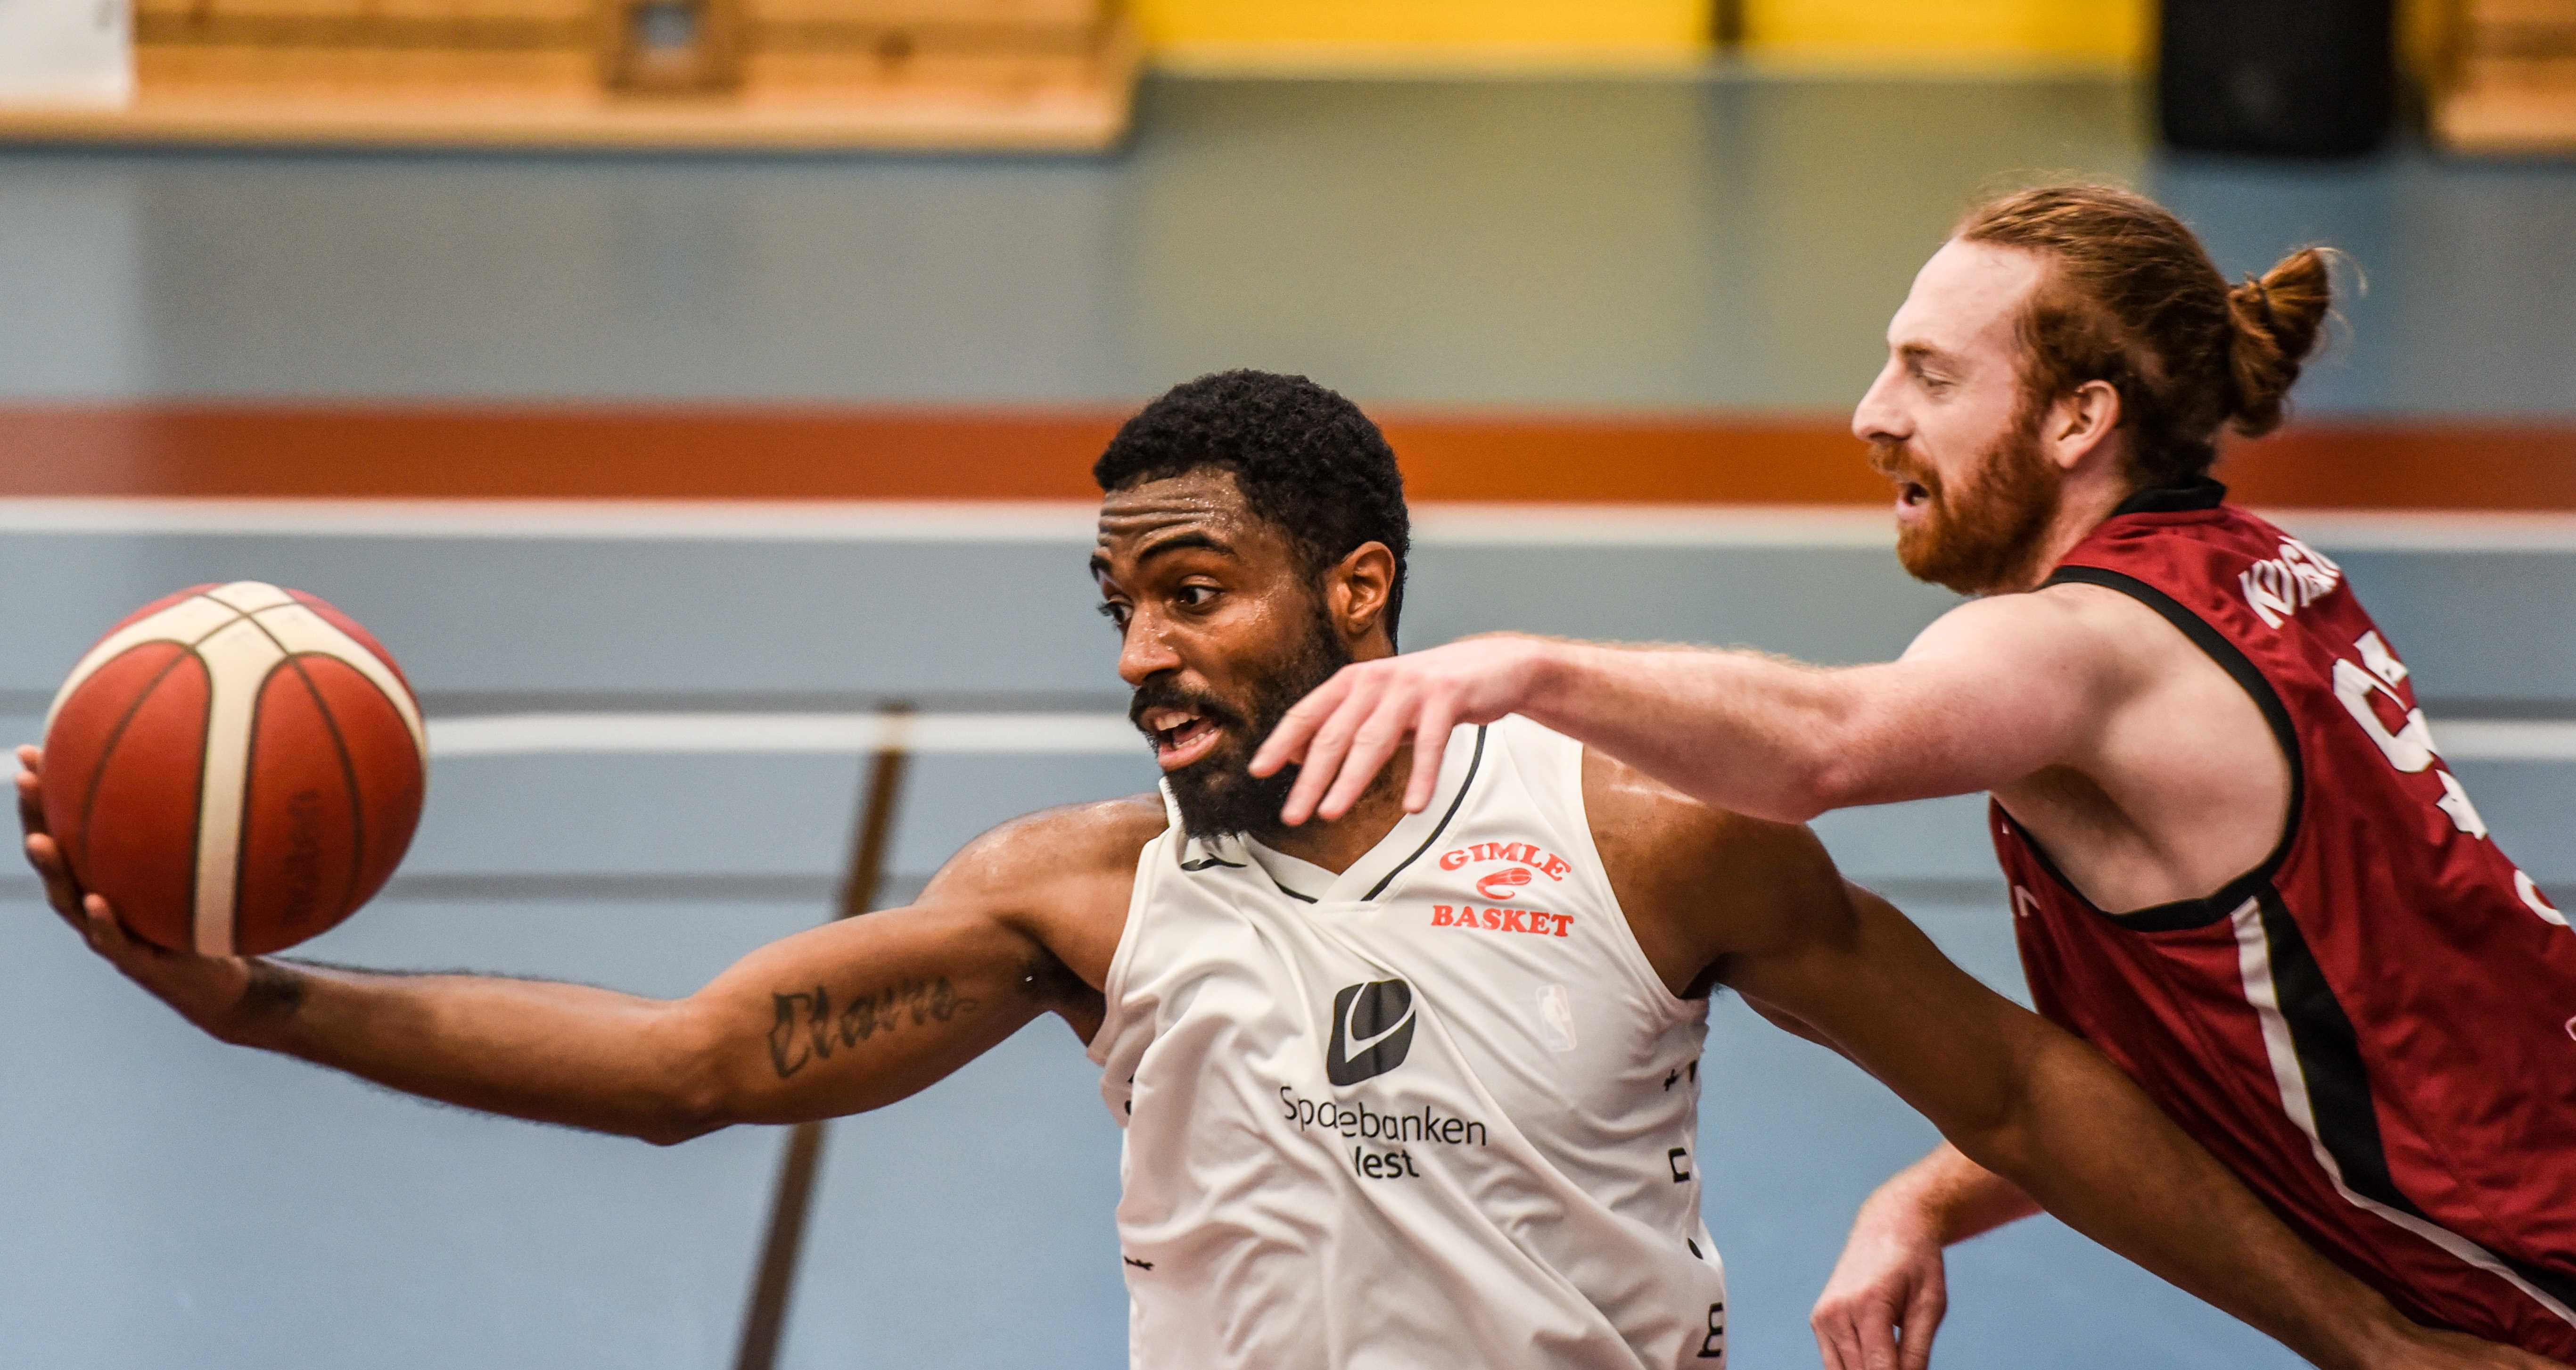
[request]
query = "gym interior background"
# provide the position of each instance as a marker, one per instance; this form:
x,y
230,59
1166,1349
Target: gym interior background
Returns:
x,y
671,437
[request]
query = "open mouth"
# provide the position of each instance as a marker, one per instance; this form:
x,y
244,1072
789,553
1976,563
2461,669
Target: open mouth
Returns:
x,y
1180,736
1911,497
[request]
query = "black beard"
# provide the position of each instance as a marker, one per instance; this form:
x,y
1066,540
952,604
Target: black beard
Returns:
x,y
1217,794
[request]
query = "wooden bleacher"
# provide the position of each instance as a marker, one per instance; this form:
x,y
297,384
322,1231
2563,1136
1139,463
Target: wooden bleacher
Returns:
x,y
785,74
2508,81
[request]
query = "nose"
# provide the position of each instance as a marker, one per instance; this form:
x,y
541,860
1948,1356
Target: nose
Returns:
x,y
1146,650
1877,418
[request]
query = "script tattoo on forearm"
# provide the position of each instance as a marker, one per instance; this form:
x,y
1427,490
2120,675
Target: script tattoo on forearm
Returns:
x,y
810,1027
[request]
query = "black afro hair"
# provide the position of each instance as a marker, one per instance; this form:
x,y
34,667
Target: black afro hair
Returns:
x,y
1306,459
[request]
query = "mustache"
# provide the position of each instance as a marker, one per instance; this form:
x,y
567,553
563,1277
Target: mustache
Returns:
x,y
1896,462
1164,694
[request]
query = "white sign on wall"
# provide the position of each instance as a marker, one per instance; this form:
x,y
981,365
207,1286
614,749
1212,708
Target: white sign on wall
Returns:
x,y
66,52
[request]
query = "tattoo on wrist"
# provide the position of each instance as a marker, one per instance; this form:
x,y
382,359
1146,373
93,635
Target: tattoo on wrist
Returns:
x,y
809,1027
275,990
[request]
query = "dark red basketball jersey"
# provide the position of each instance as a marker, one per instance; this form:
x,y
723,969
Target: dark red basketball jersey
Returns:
x,y
2376,1028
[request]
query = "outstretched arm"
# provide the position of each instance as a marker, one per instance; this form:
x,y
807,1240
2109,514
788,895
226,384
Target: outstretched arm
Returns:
x,y
1993,691
850,1016
1758,906
2041,1108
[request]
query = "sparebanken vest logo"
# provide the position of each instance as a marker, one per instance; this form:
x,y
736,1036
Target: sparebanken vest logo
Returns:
x,y
1372,1029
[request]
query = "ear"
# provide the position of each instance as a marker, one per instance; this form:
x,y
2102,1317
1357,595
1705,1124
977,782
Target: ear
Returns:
x,y
2081,423
1357,588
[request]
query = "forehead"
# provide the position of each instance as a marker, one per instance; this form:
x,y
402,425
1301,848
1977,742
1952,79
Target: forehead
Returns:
x,y
1967,299
1205,503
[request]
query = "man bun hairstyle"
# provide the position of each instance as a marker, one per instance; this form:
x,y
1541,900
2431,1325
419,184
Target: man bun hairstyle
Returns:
x,y
2277,315
1307,461
2133,299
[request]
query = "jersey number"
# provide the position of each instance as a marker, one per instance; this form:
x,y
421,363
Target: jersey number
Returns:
x,y
2409,746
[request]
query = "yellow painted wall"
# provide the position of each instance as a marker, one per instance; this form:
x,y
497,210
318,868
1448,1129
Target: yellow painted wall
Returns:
x,y
2108,32
1676,29
1898,34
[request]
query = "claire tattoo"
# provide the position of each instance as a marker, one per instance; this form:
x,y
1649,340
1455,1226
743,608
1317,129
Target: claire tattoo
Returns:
x,y
809,1027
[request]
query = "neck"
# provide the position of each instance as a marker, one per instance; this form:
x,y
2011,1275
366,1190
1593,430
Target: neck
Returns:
x,y
2080,510
1336,844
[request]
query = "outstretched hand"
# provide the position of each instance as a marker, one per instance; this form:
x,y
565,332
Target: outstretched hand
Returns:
x,y
1344,733
209,991
1887,1295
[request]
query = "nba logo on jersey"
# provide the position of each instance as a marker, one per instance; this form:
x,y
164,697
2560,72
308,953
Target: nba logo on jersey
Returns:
x,y
1372,1029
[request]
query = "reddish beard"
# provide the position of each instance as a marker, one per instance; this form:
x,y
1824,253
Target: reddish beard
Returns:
x,y
1986,534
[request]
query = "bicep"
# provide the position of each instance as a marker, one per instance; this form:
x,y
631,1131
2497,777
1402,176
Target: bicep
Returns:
x,y
859,1013
1864,980
1994,691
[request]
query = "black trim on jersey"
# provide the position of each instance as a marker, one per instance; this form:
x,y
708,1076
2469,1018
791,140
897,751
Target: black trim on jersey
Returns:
x,y
2197,913
2338,1082
1205,862
2190,497
1473,761
1283,889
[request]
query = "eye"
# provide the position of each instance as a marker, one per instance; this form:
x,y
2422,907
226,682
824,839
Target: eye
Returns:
x,y
1196,596
1115,612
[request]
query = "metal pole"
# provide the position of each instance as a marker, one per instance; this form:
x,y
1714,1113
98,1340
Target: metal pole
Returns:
x,y
764,1321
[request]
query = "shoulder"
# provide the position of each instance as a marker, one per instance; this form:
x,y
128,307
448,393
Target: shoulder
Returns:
x,y
1698,882
1076,841
2084,645
1061,878
2067,617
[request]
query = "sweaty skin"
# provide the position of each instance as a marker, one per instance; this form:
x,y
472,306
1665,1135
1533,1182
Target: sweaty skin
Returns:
x,y
1025,920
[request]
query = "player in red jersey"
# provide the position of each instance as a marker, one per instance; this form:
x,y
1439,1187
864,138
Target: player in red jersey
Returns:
x,y
2237,862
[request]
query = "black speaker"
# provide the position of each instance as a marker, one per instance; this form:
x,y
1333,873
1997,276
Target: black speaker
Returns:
x,y
2284,78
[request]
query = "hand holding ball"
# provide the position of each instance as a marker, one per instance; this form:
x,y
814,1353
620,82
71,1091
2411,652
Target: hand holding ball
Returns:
x,y
235,768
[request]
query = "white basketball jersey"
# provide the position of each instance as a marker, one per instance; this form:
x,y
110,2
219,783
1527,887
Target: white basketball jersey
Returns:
x,y
1434,1111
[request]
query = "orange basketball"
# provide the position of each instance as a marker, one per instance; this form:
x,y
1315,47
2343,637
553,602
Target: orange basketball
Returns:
x,y
236,768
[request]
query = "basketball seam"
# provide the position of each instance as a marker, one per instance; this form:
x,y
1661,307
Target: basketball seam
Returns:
x,y
250,770
107,749
348,771
373,653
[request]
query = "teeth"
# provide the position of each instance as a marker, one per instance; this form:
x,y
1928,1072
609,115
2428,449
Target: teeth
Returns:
x,y
1169,720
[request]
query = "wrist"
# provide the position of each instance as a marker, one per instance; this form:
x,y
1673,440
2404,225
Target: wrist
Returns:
x,y
1549,672
1910,1211
264,1016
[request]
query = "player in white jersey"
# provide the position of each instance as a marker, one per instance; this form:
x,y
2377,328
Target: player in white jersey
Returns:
x,y
1399,1090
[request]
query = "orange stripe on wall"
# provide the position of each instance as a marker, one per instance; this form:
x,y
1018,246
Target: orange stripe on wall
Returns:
x,y
460,452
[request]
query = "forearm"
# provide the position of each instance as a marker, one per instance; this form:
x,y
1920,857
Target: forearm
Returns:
x,y
548,1052
1952,1197
2088,1145
1734,729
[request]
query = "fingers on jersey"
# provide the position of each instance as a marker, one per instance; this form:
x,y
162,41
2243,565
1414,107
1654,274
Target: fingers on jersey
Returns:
x,y
1352,727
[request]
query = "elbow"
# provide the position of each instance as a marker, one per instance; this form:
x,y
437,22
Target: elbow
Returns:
x,y
2003,1146
1836,766
683,1120
1827,782
696,1096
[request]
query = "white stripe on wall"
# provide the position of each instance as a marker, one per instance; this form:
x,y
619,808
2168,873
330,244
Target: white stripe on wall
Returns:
x,y
785,734
1436,523
2254,964
858,733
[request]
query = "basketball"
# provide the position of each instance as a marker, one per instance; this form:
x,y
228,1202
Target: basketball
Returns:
x,y
236,768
